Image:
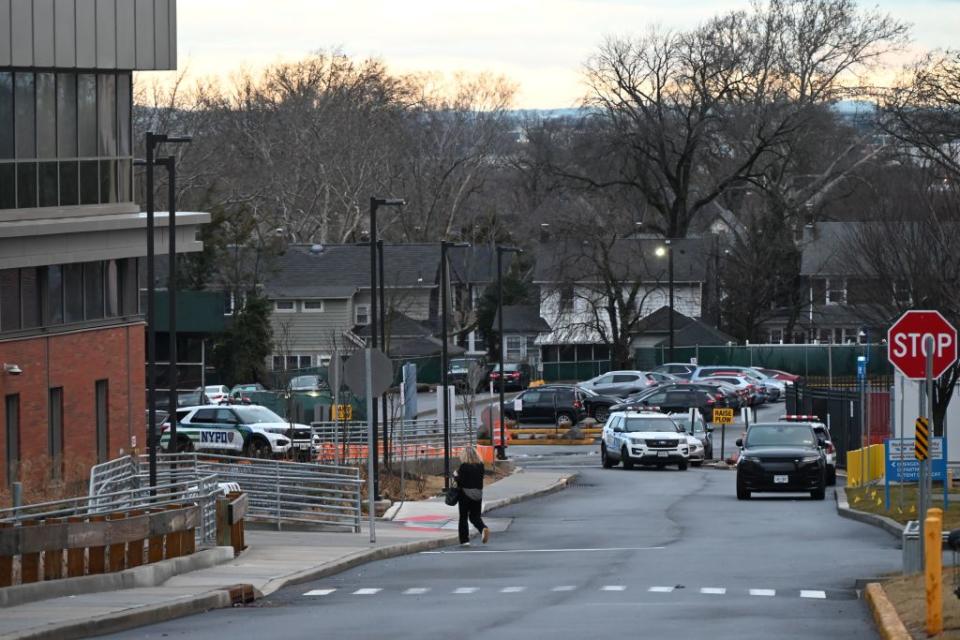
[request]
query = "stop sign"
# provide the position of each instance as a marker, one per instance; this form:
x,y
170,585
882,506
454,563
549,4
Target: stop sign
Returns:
x,y
907,340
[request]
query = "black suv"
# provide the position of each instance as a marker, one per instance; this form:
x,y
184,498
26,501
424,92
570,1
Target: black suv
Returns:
x,y
781,457
673,399
563,405
515,375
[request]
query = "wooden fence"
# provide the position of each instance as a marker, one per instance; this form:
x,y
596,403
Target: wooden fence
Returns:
x,y
70,547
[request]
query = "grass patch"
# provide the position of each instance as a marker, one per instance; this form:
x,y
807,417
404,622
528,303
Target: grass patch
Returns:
x,y
908,595
871,500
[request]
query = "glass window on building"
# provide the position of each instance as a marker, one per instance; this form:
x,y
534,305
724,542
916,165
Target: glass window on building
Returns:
x,y
67,115
89,182
87,115
73,293
112,289
128,286
107,114
9,300
52,286
93,290
8,185
26,184
49,185
69,183
6,116
24,118
30,297
46,107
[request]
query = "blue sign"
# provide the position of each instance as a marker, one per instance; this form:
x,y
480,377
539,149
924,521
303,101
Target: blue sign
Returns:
x,y
908,469
861,367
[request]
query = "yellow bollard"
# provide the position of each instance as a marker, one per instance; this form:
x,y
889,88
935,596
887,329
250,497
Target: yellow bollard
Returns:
x,y
934,572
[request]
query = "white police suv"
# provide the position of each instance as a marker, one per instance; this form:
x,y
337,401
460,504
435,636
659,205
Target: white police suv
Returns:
x,y
645,438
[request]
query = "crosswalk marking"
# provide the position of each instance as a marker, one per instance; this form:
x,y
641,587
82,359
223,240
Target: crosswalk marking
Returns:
x,y
818,595
564,587
319,592
660,589
613,587
416,591
763,592
512,589
367,592
713,591
464,590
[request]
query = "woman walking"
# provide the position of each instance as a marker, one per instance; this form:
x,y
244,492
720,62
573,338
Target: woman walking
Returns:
x,y
469,479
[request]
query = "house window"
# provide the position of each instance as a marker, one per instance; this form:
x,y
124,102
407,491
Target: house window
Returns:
x,y
285,306
323,361
292,362
102,419
12,439
902,295
836,291
55,432
277,363
361,315
314,306
566,298
514,348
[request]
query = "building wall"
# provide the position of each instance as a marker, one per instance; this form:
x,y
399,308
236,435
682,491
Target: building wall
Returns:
x,y
87,34
73,361
310,332
412,302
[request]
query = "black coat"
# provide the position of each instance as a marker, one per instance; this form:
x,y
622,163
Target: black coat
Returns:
x,y
470,476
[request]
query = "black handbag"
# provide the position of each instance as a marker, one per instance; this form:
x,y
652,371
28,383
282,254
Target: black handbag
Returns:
x,y
452,496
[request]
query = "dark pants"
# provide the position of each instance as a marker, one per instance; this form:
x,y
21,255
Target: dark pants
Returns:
x,y
469,509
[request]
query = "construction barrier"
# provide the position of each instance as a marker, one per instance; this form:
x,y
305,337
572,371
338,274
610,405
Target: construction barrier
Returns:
x,y
865,465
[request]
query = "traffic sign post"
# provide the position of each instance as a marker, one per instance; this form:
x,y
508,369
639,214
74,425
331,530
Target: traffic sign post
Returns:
x,y
723,417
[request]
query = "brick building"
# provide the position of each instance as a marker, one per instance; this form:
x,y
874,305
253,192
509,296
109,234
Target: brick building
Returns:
x,y
72,240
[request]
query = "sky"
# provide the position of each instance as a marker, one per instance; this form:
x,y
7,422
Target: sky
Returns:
x,y
539,45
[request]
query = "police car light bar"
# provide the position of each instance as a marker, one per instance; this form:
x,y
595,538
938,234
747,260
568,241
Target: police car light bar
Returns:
x,y
800,418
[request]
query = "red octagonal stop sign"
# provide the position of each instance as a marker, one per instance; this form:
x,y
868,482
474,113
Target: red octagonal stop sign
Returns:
x,y
907,338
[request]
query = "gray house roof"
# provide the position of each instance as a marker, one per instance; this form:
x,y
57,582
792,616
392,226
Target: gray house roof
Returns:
x,y
825,247
521,319
630,259
687,331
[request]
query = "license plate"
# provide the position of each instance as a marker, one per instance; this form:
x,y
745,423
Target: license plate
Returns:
x,y
781,479
304,447
662,454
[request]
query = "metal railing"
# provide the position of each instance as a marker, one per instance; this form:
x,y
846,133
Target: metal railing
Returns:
x,y
179,489
279,491
346,442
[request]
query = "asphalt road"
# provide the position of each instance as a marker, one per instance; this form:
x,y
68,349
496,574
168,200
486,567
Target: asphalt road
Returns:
x,y
641,553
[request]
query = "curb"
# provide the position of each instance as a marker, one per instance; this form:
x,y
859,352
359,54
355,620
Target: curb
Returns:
x,y
885,615
559,485
887,524
149,575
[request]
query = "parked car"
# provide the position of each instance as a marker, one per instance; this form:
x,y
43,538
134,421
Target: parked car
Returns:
x,y
516,375
240,394
781,457
785,377
645,438
748,388
826,441
771,388
674,399
724,395
679,369
620,383
306,383
694,424
563,405
251,431
215,393
460,370
192,398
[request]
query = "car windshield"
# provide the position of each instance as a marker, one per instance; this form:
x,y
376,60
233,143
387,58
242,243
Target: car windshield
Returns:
x,y
660,425
256,415
510,367
780,435
461,364
304,381
213,389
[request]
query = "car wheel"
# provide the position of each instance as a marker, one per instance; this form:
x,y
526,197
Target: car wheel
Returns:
x,y
257,448
832,477
184,445
819,494
600,414
605,460
682,465
564,420
742,493
625,459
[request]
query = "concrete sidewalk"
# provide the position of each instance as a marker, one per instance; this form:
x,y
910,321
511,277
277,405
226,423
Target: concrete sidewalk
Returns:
x,y
273,560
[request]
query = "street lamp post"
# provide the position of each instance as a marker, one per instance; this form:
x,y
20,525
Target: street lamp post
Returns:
x,y
153,140
670,279
444,286
383,342
502,449
376,203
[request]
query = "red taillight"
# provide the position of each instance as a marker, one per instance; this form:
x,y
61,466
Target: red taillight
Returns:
x,y
494,374
710,401
830,448
515,374
719,396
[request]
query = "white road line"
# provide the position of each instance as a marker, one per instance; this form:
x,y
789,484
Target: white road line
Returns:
x,y
819,595
416,591
763,592
564,587
713,591
366,592
319,592
512,589
475,551
660,589
613,587
464,590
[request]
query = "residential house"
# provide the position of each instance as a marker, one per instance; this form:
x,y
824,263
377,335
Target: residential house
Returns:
x,y
573,279
72,238
522,325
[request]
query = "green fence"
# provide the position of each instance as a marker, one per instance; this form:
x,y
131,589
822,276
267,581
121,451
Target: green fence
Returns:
x,y
801,359
556,371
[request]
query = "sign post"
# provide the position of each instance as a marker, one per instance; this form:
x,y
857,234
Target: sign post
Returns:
x,y
723,417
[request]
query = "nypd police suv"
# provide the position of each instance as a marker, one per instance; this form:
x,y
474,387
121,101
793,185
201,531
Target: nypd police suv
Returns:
x,y
645,438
